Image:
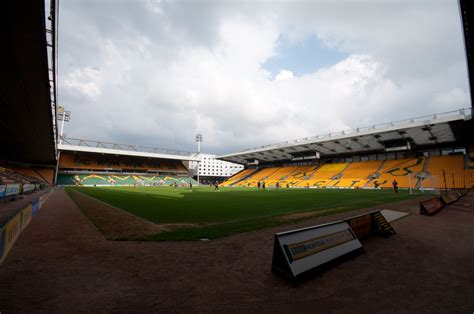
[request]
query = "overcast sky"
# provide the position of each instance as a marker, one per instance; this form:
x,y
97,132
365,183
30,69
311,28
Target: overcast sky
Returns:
x,y
245,74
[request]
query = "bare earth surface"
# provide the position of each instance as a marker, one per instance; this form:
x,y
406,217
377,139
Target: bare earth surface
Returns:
x,y
117,224
61,263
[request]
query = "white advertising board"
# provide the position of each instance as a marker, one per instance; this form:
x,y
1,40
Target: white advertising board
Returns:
x,y
298,251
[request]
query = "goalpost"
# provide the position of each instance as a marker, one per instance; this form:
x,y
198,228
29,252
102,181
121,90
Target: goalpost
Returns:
x,y
430,184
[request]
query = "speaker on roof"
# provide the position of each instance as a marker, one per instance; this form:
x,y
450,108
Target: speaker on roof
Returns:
x,y
397,145
252,162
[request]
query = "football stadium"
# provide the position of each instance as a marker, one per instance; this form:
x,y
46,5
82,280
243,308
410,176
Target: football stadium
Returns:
x,y
375,218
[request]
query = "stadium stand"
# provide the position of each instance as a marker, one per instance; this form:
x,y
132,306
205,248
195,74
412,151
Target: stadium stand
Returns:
x,y
257,176
43,175
419,172
21,175
120,180
357,174
96,162
280,176
13,184
407,151
238,177
324,175
401,170
299,174
450,168
95,169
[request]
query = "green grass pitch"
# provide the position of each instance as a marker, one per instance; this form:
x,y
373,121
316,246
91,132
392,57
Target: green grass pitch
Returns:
x,y
233,210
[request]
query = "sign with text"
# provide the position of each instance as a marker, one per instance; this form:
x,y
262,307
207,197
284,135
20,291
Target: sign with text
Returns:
x,y
298,251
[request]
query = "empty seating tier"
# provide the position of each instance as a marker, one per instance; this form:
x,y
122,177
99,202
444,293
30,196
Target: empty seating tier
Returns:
x,y
356,175
417,172
99,163
322,176
117,180
237,177
445,172
404,171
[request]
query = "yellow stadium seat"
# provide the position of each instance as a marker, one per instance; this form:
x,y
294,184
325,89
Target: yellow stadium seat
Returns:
x,y
454,174
323,175
357,174
402,170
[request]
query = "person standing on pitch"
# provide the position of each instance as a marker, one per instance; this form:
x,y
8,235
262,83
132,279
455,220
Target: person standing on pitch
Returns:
x,y
263,185
258,185
395,185
376,185
191,186
175,186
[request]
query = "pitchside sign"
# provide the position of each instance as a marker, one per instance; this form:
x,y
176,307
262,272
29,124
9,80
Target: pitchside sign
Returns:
x,y
298,251
430,206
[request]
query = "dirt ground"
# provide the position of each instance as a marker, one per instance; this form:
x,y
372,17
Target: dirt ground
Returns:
x,y
62,263
117,224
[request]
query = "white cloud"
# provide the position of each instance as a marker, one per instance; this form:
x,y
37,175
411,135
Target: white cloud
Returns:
x,y
168,71
84,81
452,96
284,75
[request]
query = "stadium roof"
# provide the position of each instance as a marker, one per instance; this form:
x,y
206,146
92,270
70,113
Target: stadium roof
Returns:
x,y
27,82
89,146
466,12
427,131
